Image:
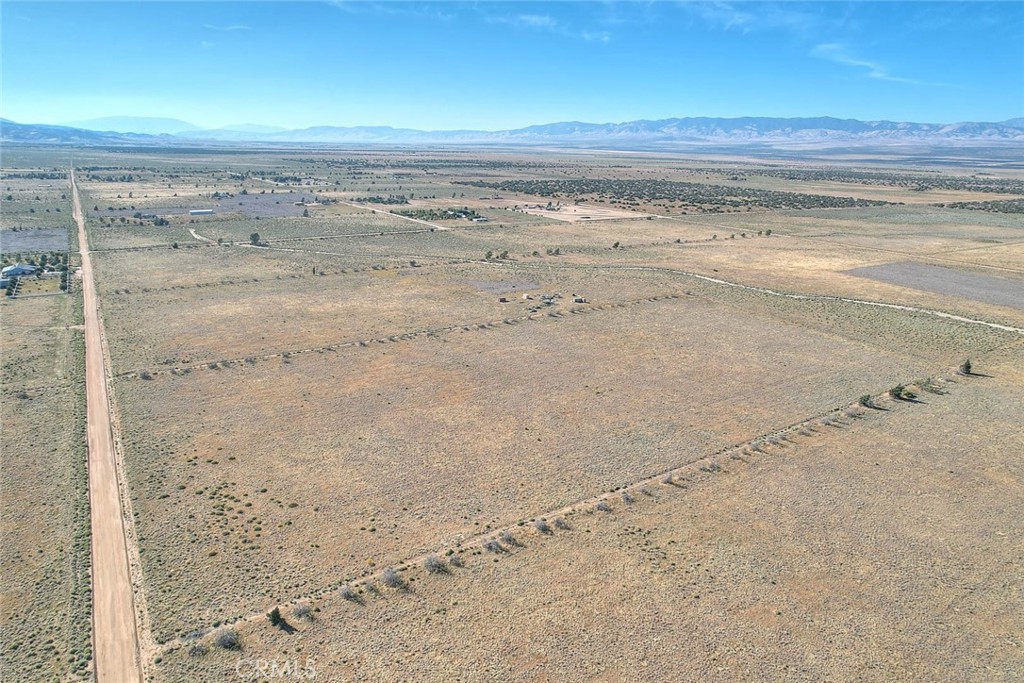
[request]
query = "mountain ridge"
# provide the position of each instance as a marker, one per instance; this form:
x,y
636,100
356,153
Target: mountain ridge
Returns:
x,y
737,130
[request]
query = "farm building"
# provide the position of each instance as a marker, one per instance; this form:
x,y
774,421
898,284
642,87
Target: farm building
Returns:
x,y
200,212
17,270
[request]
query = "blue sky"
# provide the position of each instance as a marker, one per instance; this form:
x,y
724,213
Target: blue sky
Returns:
x,y
493,65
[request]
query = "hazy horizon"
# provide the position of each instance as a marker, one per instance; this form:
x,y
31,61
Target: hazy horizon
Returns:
x,y
256,126
498,66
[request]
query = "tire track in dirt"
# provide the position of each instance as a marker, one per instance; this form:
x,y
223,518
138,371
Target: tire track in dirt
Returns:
x,y
785,295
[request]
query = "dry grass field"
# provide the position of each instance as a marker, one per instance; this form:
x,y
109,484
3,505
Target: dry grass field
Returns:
x,y
888,548
44,507
368,454
360,391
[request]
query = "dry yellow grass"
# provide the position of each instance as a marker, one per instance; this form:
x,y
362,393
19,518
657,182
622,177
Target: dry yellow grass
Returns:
x,y
324,460
367,454
884,550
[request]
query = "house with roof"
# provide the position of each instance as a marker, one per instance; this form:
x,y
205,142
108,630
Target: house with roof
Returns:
x,y
18,270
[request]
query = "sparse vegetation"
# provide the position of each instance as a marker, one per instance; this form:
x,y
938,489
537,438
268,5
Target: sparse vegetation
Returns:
x,y
901,393
699,197
394,410
227,639
391,578
435,565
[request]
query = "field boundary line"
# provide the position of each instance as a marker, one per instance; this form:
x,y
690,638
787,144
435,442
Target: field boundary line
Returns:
x,y
284,278
785,295
676,476
404,336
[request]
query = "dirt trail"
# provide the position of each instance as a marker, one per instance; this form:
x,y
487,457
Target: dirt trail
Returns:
x,y
200,237
114,632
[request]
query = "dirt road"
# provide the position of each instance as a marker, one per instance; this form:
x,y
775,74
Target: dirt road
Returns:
x,y
114,633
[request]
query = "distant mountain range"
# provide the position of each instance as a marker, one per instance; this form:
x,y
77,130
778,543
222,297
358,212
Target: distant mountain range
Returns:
x,y
142,125
820,131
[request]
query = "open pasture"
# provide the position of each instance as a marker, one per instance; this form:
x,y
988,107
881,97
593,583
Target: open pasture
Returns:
x,y
880,535
33,240
813,267
44,509
132,233
367,455
285,308
35,199
303,413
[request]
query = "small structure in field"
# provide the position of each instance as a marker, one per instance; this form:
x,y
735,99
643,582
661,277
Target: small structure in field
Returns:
x,y
502,299
579,300
200,212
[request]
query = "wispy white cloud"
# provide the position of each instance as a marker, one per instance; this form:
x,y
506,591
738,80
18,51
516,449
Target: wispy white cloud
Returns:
x,y
232,27
543,22
721,14
549,24
804,24
596,36
394,9
841,54
750,17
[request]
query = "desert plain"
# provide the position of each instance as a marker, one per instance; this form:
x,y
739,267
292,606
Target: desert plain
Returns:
x,y
506,415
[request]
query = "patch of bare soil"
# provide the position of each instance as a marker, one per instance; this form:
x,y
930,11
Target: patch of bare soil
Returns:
x,y
947,281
